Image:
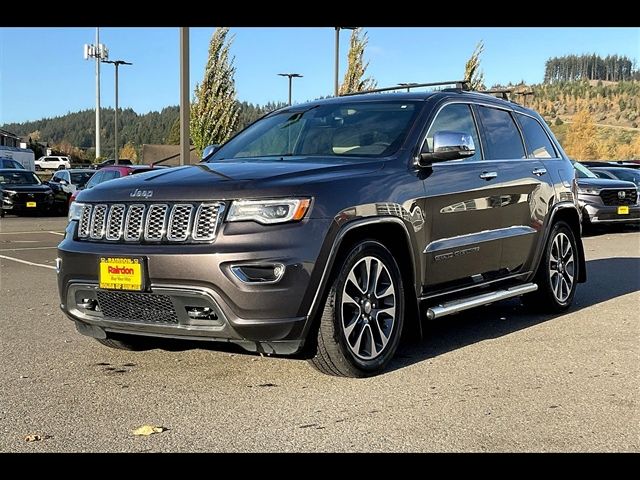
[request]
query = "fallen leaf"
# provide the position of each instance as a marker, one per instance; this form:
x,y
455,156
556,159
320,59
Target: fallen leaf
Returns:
x,y
146,430
33,438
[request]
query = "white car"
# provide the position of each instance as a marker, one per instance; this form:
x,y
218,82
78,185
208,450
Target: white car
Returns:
x,y
53,163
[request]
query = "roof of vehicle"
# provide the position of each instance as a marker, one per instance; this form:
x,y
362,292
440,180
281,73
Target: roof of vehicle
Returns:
x,y
411,96
127,167
78,170
13,170
615,168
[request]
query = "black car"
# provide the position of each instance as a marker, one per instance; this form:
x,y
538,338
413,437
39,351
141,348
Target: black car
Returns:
x,y
618,173
110,162
23,192
605,201
326,229
65,183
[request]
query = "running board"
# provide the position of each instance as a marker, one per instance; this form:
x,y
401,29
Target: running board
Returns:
x,y
479,300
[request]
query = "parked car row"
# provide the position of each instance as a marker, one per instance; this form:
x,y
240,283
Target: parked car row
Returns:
x,y
22,191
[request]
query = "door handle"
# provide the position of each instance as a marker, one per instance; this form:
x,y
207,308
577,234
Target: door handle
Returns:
x,y
488,175
539,171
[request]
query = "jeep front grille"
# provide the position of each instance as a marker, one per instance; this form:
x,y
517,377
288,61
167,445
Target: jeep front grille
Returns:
x,y
151,223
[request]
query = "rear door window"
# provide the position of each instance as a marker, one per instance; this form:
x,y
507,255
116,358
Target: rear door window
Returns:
x,y
503,140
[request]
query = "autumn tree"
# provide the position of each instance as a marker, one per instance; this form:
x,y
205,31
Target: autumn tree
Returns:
x,y
354,79
472,72
214,111
130,152
580,142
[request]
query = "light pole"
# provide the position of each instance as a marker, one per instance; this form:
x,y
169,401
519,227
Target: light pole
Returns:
x,y
100,53
116,63
290,75
336,80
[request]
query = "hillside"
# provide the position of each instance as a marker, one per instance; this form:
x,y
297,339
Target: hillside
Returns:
x,y
74,133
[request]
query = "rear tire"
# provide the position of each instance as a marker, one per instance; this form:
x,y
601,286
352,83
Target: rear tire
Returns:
x,y
557,275
363,314
130,343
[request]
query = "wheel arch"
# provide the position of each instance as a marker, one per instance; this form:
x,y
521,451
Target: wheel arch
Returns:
x,y
568,213
391,232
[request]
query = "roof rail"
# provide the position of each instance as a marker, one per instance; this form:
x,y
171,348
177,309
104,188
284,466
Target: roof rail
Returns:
x,y
502,91
460,85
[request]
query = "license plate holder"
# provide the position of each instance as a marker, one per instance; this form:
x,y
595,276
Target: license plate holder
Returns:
x,y
121,273
31,204
623,210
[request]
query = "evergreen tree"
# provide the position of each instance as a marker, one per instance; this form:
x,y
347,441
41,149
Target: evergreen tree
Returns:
x,y
354,80
472,72
214,112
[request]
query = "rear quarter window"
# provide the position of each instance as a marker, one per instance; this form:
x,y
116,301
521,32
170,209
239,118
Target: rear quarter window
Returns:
x,y
538,143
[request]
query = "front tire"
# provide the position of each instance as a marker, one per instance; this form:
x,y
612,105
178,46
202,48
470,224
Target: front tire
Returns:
x,y
557,275
363,314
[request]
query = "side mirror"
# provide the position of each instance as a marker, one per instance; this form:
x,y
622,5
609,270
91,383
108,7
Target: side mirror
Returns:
x,y
448,145
208,150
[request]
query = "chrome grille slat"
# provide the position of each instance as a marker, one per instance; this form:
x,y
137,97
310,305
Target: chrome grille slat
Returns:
x,y
151,222
98,220
114,222
207,219
155,225
134,223
85,222
179,222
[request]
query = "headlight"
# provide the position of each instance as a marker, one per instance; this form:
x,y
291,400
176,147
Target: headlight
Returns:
x,y
268,211
75,210
589,190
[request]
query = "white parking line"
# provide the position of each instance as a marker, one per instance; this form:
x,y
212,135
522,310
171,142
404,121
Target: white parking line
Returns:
x,y
24,248
57,233
27,263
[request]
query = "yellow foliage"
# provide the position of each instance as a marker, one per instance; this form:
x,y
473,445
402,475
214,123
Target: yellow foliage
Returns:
x,y
129,151
580,142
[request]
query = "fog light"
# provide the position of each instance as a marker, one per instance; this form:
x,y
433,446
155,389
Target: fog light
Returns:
x,y
201,313
88,304
259,273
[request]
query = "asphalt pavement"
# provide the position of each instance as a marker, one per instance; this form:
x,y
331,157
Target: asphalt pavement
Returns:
x,y
492,379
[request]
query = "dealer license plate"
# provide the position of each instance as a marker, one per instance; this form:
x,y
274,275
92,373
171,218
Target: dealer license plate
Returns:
x,y
623,210
121,273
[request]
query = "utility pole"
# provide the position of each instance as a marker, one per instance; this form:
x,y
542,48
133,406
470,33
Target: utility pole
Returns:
x,y
116,63
99,52
184,96
290,75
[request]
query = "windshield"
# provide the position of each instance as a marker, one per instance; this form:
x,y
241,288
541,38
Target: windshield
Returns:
x,y
583,172
626,174
371,129
81,178
19,178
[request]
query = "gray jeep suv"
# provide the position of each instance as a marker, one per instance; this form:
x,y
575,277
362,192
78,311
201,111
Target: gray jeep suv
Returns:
x,y
326,229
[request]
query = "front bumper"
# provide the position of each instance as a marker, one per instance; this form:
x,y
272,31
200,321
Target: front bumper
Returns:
x,y
265,317
601,214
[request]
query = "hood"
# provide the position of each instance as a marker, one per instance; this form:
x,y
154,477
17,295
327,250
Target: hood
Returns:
x,y
27,188
229,179
605,183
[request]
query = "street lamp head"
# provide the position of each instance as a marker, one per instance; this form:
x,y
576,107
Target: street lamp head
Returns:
x,y
290,75
117,62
